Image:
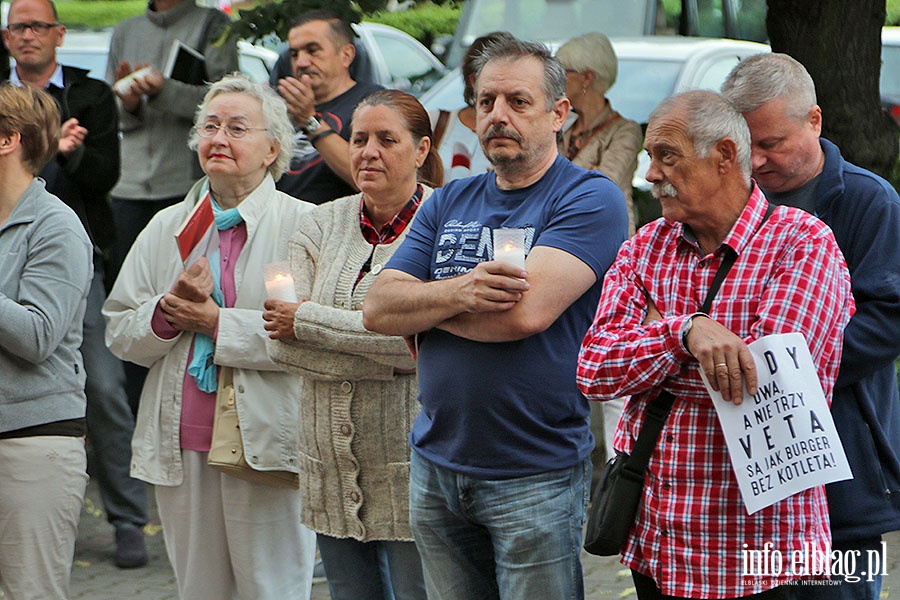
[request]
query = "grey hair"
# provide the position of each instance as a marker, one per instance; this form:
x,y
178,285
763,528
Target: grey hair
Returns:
x,y
278,125
764,77
591,52
554,86
710,118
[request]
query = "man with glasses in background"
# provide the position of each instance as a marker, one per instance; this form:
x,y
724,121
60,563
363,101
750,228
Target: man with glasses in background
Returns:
x,y
82,173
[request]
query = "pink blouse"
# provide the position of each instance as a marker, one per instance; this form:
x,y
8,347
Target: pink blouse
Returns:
x,y
198,408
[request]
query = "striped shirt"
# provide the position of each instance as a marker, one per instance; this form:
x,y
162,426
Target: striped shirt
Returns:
x,y
789,276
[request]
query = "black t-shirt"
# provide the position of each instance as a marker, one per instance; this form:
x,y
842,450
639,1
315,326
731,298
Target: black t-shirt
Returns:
x,y
803,197
308,177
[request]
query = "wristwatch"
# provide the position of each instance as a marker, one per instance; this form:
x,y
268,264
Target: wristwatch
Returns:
x,y
687,328
312,125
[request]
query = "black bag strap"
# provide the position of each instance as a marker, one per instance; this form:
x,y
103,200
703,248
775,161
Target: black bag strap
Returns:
x,y
658,409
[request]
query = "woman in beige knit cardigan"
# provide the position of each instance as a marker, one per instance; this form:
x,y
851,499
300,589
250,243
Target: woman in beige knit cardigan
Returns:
x,y
359,395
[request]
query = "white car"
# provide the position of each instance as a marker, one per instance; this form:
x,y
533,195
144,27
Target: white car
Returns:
x,y
889,82
559,20
400,61
90,50
393,58
651,68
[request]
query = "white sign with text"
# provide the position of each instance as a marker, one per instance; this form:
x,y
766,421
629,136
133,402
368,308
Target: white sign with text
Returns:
x,y
783,439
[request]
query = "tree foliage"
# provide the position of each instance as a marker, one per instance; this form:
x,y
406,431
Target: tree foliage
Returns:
x,y
424,23
276,17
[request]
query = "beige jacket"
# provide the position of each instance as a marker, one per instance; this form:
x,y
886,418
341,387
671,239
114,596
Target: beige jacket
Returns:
x,y
614,151
356,410
266,396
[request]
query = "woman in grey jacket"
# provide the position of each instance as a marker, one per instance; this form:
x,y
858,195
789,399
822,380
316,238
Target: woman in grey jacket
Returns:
x,y
359,394
45,273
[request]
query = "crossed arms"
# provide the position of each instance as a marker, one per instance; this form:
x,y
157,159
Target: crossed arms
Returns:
x,y
494,302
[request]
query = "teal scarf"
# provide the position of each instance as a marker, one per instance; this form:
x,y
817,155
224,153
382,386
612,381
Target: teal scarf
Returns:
x,y
202,367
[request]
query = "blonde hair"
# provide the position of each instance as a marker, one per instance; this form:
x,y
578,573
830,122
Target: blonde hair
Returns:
x,y
591,52
34,115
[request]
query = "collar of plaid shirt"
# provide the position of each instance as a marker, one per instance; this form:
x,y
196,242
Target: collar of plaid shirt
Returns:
x,y
392,228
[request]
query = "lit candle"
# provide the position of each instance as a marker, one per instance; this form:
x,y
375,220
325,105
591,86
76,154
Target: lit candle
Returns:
x,y
509,246
279,282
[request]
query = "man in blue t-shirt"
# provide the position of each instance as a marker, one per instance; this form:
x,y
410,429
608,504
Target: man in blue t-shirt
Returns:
x,y
500,469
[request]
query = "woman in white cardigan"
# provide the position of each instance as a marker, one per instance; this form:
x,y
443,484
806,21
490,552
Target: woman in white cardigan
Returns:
x,y
225,537
359,394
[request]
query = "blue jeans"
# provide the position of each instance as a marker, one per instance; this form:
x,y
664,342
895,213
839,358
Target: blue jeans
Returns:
x,y
110,421
510,538
377,570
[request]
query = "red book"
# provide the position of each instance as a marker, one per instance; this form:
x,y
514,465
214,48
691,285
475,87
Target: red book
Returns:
x,y
195,236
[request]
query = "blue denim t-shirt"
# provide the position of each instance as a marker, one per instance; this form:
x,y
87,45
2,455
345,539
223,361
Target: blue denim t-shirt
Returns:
x,y
511,409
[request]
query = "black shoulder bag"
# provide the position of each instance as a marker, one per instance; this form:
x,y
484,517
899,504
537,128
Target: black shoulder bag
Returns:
x,y
615,501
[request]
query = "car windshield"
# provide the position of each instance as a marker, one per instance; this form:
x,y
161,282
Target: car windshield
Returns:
x,y
550,20
641,85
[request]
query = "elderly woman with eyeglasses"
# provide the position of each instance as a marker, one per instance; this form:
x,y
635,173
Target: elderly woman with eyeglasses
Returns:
x,y
226,537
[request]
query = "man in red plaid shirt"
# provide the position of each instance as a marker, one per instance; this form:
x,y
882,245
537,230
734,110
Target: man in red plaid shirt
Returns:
x,y
648,336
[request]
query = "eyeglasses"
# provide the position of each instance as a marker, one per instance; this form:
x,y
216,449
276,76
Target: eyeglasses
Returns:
x,y
233,130
38,28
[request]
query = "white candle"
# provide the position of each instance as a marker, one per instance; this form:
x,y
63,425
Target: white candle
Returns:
x,y
279,282
509,246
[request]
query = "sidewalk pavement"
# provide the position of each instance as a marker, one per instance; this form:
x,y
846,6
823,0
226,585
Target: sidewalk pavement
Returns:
x,y
94,577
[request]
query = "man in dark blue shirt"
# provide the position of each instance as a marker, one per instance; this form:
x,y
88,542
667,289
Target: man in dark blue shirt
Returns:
x,y
794,166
